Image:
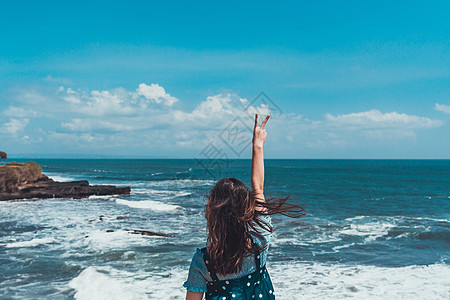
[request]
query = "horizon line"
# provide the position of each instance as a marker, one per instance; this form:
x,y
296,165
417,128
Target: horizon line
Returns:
x,y
221,159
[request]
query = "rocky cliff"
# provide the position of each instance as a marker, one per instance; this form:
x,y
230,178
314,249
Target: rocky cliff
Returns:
x,y
26,181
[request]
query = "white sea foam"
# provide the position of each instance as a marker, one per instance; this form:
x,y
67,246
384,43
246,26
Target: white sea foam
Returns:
x,y
291,281
338,281
100,240
397,218
161,193
183,172
182,194
337,248
355,218
290,241
179,182
32,243
106,283
109,284
370,227
60,178
148,191
323,239
372,230
431,219
374,227
105,197
149,204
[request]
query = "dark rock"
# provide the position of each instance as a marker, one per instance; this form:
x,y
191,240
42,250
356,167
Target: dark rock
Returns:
x,y
26,181
148,233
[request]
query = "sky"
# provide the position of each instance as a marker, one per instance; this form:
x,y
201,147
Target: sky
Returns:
x,y
183,79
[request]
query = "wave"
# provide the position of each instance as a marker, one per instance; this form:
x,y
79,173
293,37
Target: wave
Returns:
x,y
298,241
371,231
337,281
103,241
395,227
104,197
32,243
61,178
184,172
98,282
180,182
400,218
149,204
428,219
172,194
310,280
361,230
182,194
106,283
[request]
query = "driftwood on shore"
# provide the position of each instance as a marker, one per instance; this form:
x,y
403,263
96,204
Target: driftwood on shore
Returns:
x,y
26,181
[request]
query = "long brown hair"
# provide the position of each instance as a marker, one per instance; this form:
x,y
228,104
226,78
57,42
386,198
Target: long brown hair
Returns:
x,y
231,216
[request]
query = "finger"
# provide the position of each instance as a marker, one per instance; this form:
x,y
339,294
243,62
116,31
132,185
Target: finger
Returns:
x,y
256,120
265,121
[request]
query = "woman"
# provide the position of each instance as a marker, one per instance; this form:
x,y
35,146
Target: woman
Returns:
x,y
232,266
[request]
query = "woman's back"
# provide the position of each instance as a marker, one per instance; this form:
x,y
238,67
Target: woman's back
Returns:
x,y
199,274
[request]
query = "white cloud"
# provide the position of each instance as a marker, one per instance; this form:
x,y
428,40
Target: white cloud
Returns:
x,y
100,103
147,118
76,140
19,112
96,125
156,93
71,96
442,107
213,111
59,80
14,126
117,102
374,119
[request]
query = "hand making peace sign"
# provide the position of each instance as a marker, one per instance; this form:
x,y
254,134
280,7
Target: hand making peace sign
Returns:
x,y
259,132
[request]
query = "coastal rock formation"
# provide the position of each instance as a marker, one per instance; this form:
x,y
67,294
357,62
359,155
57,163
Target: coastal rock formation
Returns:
x,y
26,181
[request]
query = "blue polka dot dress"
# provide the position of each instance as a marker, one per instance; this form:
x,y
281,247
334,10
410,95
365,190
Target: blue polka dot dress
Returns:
x,y
256,285
252,282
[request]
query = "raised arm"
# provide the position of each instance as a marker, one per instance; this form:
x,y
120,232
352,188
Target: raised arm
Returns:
x,y
257,173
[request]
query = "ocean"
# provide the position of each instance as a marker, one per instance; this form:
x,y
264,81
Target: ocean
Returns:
x,y
374,229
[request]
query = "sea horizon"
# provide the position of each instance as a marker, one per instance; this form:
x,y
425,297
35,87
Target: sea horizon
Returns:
x,y
181,158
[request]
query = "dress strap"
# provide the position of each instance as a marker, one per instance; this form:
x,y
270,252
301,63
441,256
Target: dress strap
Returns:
x,y
206,260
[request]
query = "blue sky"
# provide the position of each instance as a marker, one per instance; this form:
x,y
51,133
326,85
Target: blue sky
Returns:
x,y
351,79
